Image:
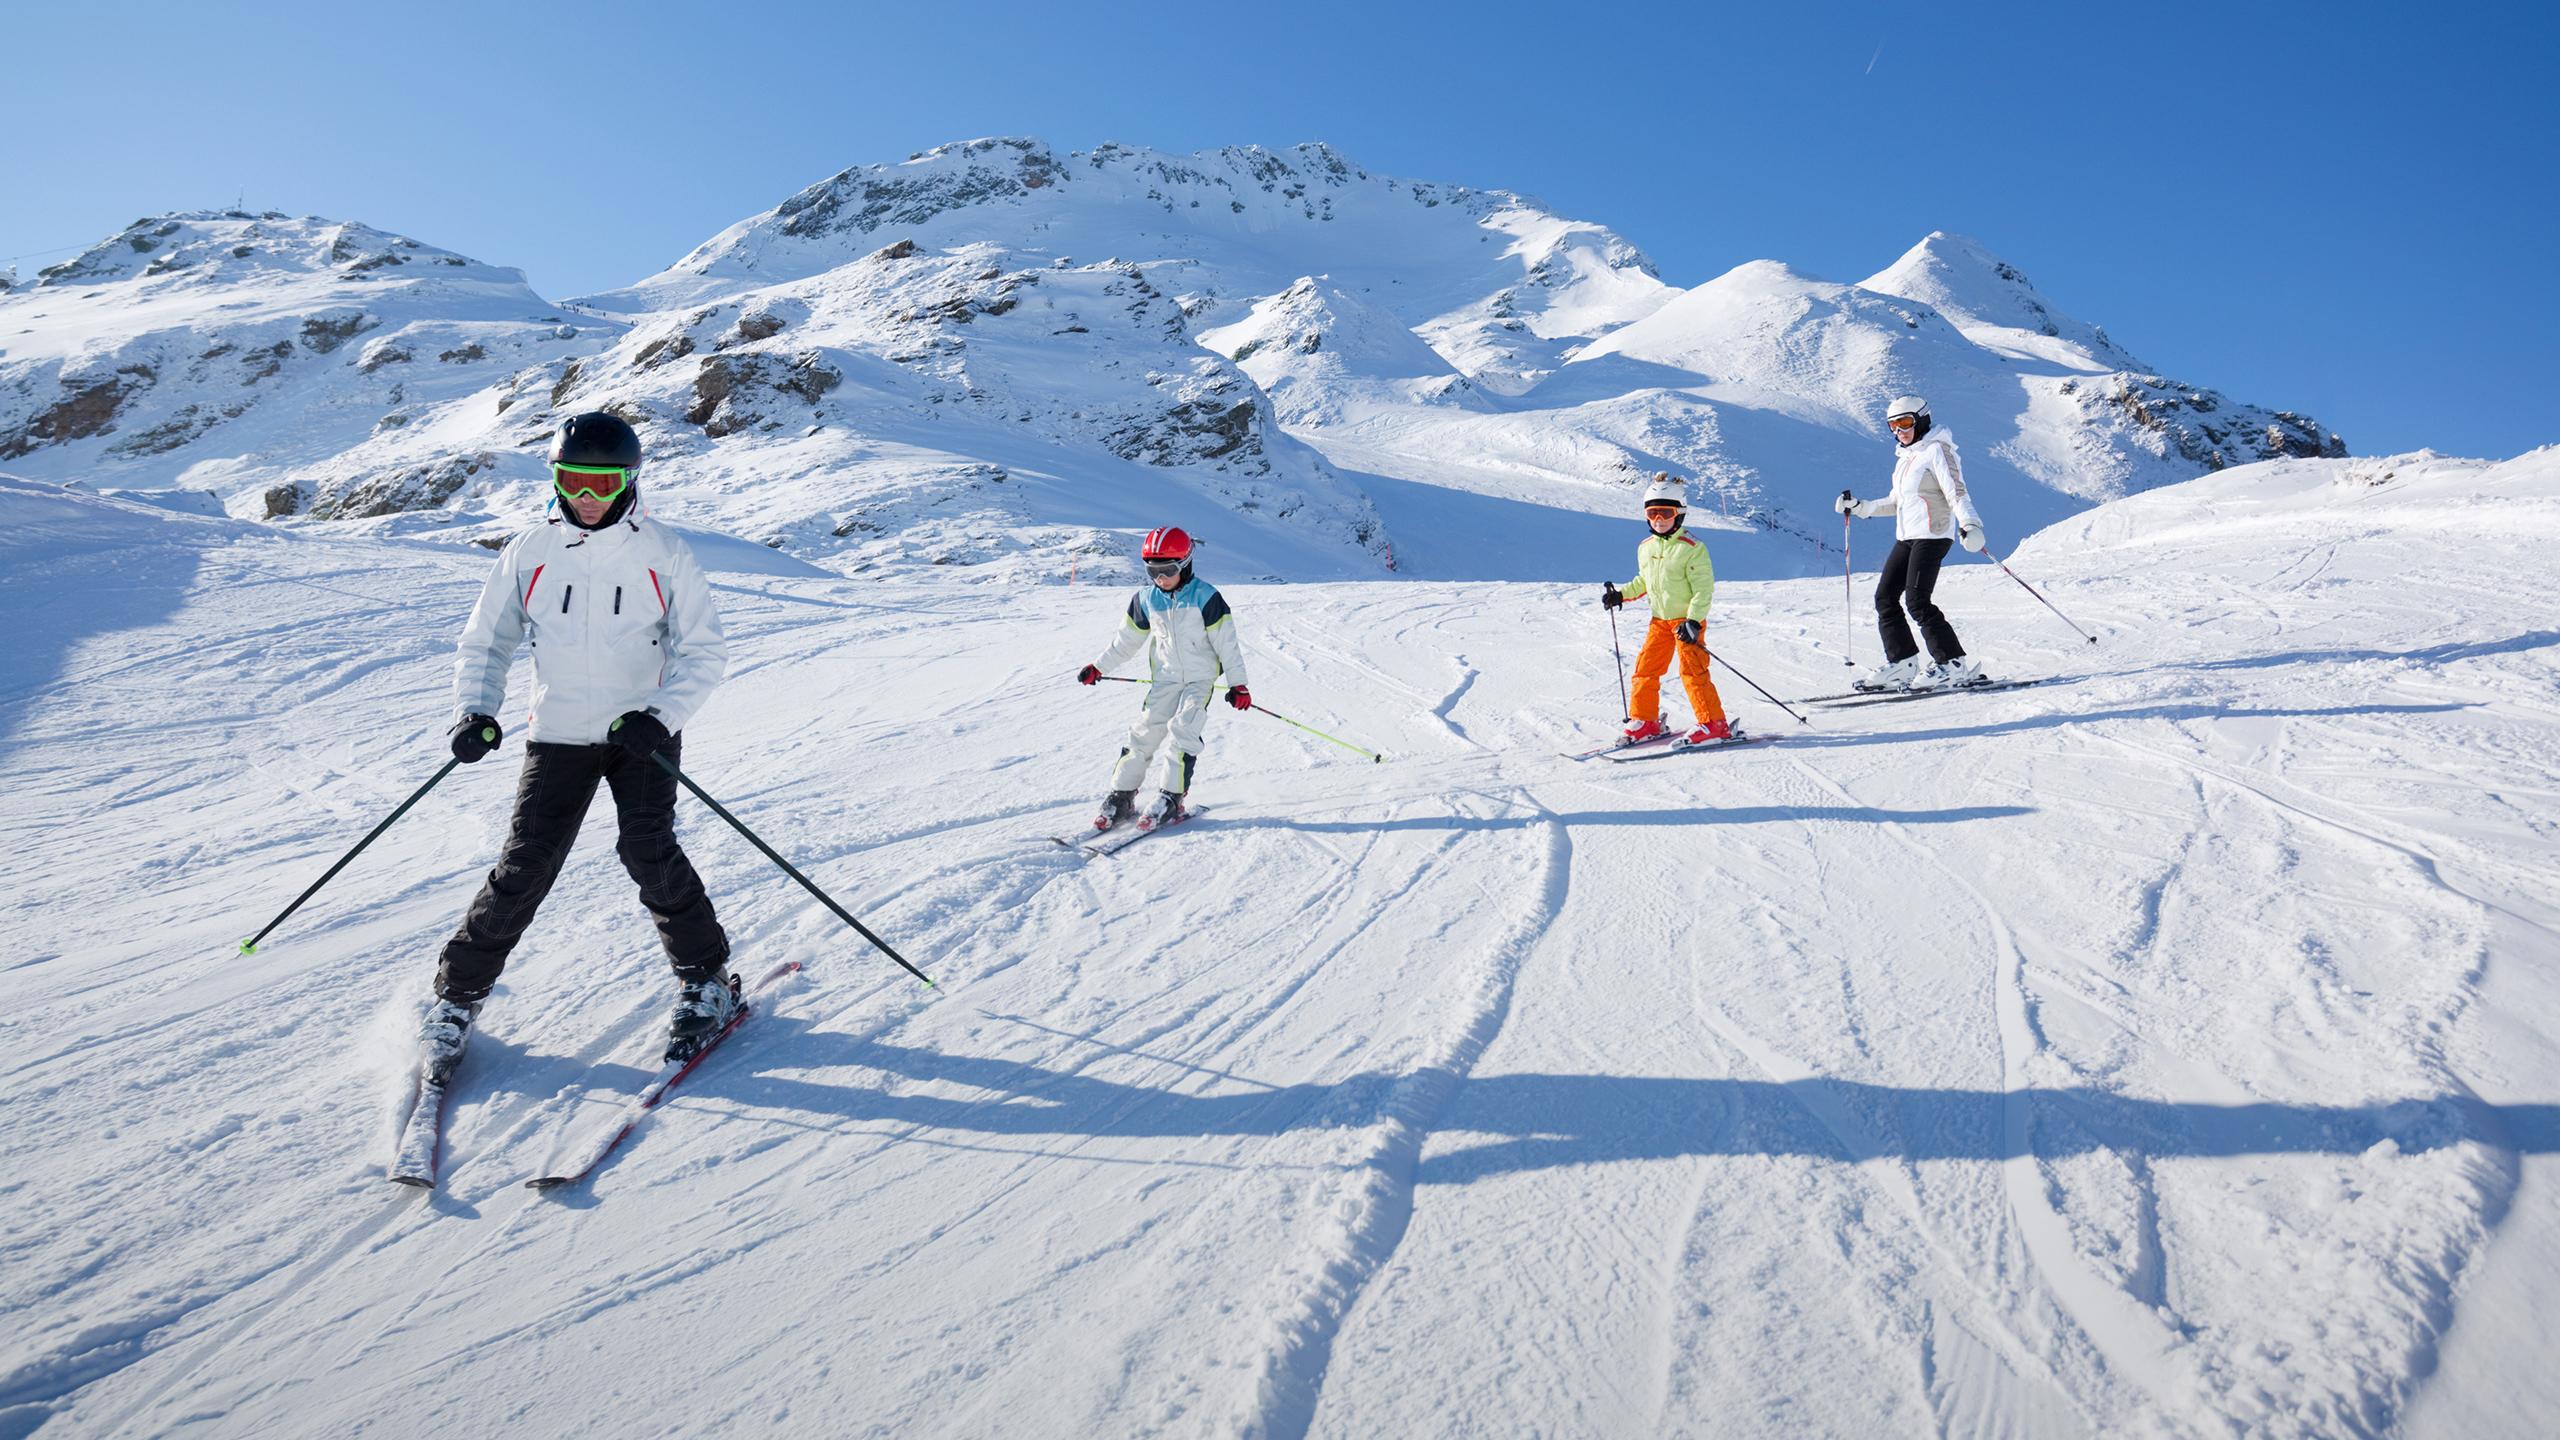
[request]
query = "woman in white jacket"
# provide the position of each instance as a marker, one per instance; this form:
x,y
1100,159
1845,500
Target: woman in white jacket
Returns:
x,y
1931,510
626,646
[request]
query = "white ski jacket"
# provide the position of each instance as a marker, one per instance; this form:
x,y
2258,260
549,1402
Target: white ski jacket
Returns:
x,y
1187,632
619,619
1929,499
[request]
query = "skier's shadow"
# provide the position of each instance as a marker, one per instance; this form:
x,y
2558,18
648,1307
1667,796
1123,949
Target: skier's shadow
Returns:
x,y
1660,815
1525,1122
2056,719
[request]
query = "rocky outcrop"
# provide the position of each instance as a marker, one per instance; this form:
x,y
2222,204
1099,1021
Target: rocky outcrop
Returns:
x,y
85,406
737,392
413,487
2207,429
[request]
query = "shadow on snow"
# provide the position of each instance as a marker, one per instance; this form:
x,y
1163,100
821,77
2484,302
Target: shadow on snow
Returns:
x,y
1542,1122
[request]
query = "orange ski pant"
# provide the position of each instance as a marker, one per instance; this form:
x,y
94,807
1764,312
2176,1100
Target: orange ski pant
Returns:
x,y
1655,658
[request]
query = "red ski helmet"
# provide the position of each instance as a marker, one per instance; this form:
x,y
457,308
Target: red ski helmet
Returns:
x,y
1169,543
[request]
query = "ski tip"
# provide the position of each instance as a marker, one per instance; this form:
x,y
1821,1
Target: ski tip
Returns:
x,y
414,1182
546,1182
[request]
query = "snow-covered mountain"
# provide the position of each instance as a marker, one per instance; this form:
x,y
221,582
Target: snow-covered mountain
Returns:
x,y
238,352
994,355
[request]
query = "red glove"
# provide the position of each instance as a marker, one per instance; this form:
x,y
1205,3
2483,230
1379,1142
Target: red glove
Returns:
x,y
1240,697
1088,675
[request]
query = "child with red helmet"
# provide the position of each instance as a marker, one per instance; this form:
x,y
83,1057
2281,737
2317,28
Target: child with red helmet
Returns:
x,y
1183,624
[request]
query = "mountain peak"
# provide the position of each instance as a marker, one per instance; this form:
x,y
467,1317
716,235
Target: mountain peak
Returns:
x,y
1994,303
225,245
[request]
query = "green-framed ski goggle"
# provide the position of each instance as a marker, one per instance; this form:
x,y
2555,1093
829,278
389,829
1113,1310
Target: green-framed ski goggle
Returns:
x,y
590,482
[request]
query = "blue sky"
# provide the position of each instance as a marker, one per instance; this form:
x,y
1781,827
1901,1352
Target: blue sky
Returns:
x,y
2345,209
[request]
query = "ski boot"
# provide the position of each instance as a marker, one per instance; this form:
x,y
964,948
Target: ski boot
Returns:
x,y
1117,806
1954,674
1639,731
704,1010
1714,732
1892,675
442,1035
1166,810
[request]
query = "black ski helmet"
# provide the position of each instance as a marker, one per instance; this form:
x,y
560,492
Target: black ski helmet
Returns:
x,y
596,438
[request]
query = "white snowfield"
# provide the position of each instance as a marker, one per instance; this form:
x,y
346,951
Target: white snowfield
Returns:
x,y
2165,1050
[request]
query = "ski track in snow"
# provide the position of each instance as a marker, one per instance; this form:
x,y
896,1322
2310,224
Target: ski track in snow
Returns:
x,y
2113,1056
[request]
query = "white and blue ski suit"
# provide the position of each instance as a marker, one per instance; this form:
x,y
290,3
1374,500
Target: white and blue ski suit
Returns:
x,y
1191,645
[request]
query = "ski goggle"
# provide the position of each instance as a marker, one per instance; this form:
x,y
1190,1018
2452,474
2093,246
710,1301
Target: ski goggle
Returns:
x,y
589,482
1904,422
1662,512
1166,567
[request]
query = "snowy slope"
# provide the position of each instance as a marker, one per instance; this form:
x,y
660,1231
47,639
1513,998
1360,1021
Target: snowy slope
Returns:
x,y
2163,1051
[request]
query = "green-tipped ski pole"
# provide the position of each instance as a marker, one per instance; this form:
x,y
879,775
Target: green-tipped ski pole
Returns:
x,y
1374,757
789,869
250,945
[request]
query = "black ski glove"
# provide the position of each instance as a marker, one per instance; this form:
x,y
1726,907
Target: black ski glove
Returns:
x,y
473,737
639,733
1610,599
1686,632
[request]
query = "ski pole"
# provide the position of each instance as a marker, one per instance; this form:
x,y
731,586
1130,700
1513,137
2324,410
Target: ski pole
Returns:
x,y
250,945
1754,684
2030,589
1374,756
1848,598
789,869
1626,707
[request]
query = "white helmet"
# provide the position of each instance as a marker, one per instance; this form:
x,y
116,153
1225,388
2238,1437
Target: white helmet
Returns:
x,y
1906,405
1666,490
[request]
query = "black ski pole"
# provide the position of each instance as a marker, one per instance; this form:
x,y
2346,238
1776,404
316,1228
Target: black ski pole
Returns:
x,y
2030,589
789,869
1754,684
250,945
1848,599
1626,707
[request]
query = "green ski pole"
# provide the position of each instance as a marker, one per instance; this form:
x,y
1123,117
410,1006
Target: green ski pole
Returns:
x,y
1374,756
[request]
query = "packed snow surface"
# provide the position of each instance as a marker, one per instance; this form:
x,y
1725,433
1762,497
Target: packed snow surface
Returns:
x,y
2163,1050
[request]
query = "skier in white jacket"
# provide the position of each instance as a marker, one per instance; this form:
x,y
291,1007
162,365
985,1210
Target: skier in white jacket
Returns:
x,y
1931,510
626,646
1183,624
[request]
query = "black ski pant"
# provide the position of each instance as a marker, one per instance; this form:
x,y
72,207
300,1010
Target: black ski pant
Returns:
x,y
552,795
1910,574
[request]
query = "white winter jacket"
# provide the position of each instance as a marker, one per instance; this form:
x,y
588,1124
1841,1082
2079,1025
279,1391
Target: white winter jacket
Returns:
x,y
619,619
1187,633
1928,500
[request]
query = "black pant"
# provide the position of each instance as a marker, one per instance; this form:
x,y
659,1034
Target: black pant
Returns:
x,y
552,795
1910,573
